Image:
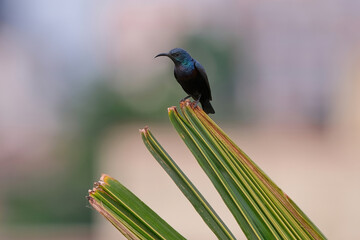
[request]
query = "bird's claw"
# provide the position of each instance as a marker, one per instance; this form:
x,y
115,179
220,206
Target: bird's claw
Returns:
x,y
195,103
182,100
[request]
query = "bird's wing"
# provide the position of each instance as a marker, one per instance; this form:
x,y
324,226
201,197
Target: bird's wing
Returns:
x,y
202,72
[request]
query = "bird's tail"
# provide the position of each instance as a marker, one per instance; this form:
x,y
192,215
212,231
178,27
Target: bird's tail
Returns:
x,y
206,105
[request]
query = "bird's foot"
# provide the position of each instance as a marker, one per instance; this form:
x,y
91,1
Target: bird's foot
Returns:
x,y
195,103
182,100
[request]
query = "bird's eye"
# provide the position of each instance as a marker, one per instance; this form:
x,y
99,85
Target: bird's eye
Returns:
x,y
176,54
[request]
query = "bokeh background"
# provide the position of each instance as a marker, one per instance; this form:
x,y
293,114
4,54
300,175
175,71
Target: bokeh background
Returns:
x,y
78,79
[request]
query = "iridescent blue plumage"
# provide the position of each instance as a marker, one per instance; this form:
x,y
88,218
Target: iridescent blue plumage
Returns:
x,y
191,75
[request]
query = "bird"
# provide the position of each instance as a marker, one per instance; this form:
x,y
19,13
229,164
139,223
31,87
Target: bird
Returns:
x,y
191,75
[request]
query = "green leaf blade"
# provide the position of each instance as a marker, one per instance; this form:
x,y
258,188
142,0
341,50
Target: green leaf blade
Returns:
x,y
261,208
126,211
220,178
287,215
185,185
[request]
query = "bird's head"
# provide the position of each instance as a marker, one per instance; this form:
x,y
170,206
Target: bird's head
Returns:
x,y
177,55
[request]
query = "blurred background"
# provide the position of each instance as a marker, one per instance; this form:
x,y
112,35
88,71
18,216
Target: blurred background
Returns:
x,y
79,78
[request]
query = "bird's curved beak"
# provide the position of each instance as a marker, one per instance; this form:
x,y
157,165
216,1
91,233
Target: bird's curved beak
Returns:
x,y
162,54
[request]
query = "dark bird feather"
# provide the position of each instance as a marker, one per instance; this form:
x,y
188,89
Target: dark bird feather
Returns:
x,y
191,75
